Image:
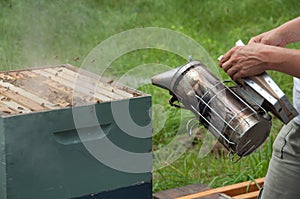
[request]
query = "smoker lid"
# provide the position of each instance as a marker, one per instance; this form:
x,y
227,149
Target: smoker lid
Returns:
x,y
55,87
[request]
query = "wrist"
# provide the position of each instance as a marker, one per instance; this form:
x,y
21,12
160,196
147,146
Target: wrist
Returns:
x,y
281,59
283,34
273,57
286,35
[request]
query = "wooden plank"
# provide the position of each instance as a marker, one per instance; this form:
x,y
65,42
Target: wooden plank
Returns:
x,y
231,190
181,191
102,86
80,89
244,187
69,84
58,94
46,88
53,84
24,101
250,195
169,194
107,84
6,110
52,87
14,105
89,83
29,95
40,86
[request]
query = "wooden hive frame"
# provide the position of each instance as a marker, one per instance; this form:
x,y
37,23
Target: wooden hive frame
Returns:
x,y
55,87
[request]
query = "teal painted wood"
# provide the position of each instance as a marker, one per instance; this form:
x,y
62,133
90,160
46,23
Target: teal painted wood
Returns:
x,y
44,157
3,179
138,191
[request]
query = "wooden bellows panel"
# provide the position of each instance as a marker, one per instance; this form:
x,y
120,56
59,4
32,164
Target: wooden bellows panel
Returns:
x,y
55,87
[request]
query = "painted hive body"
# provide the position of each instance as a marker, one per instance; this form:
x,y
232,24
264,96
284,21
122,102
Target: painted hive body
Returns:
x,y
43,155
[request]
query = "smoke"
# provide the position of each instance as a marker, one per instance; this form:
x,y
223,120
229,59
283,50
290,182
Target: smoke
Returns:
x,y
38,33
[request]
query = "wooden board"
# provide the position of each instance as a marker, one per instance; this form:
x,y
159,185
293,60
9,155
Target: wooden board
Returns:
x,y
243,190
182,191
55,87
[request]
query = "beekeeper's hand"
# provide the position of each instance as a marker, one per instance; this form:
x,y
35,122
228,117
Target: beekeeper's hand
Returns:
x,y
244,61
255,58
288,32
273,37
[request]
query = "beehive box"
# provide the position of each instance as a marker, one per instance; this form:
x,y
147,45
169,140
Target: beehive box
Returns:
x,y
42,152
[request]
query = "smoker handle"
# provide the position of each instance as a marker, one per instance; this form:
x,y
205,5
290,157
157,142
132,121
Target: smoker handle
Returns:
x,y
175,99
75,136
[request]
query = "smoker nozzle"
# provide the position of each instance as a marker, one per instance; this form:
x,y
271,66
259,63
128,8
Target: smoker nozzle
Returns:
x,y
164,79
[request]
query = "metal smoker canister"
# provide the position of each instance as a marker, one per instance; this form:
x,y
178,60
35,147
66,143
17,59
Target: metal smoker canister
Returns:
x,y
238,126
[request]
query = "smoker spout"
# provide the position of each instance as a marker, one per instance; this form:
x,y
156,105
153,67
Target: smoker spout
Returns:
x,y
164,79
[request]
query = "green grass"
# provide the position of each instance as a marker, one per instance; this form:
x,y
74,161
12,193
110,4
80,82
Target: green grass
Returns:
x,y
36,33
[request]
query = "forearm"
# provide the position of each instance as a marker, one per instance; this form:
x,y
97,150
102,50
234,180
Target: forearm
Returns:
x,y
283,60
290,30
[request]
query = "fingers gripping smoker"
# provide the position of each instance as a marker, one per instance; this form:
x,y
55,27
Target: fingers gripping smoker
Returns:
x,y
237,116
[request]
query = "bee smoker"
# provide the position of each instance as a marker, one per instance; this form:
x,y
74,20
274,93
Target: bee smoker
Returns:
x,y
237,116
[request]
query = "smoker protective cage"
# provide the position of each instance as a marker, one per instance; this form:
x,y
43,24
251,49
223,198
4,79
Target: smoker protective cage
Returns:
x,y
233,121
236,124
42,155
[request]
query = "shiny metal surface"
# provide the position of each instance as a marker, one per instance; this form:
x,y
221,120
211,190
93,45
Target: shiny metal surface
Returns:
x,y
275,100
238,126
